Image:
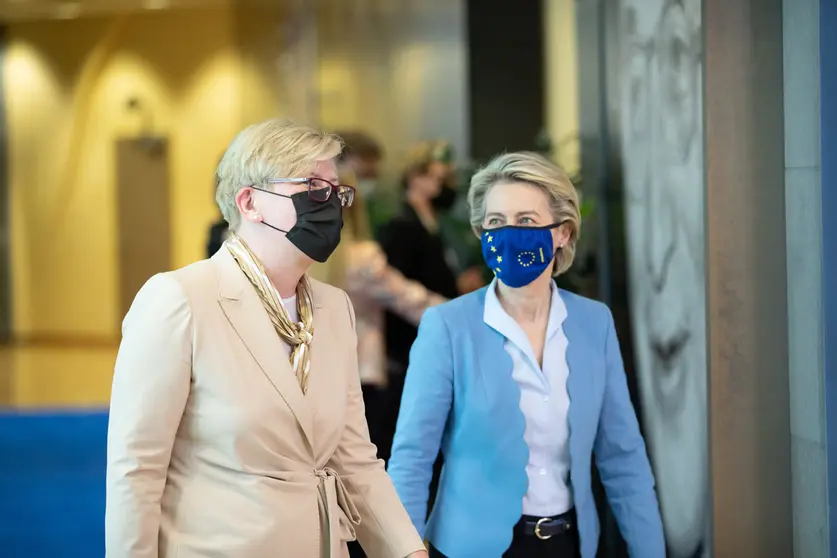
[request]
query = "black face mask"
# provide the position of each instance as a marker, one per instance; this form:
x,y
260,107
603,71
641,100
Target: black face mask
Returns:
x,y
445,200
317,230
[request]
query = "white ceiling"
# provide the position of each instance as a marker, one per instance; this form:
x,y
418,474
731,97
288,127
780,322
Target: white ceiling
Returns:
x,y
19,10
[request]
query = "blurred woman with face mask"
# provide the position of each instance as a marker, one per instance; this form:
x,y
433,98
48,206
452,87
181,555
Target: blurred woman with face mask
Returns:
x,y
360,267
412,245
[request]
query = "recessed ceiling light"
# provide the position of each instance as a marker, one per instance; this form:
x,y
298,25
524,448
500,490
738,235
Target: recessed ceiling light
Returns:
x,y
157,4
68,10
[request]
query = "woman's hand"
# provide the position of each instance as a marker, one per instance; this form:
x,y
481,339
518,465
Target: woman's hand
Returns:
x,y
418,554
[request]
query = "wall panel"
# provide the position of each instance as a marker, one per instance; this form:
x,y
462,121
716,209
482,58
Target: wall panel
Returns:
x,y
747,280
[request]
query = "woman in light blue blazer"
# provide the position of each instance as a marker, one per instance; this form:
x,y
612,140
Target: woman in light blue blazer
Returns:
x,y
520,384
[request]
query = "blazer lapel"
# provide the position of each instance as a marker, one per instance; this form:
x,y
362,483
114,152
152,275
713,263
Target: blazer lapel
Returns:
x,y
246,314
494,373
575,379
495,364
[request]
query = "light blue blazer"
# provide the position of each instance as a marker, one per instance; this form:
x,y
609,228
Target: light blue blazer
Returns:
x,y
460,396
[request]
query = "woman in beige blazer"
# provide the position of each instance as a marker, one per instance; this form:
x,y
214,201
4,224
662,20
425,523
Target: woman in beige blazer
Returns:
x,y
236,425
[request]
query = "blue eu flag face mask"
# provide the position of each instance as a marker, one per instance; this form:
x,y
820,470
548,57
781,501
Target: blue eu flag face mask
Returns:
x,y
518,255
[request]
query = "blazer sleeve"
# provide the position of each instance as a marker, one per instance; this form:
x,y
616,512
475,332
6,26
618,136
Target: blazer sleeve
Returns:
x,y
150,387
385,530
623,461
425,406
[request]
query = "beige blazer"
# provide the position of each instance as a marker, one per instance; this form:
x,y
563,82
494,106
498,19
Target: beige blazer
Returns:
x,y
214,451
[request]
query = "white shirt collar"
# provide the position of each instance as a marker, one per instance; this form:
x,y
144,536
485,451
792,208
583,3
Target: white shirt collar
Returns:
x,y
496,317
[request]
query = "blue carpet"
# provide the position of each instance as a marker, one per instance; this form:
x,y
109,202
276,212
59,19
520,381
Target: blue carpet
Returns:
x,y
52,484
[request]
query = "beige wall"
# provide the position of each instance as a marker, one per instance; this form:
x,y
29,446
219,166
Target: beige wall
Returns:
x,y
561,76
398,72
204,74
67,83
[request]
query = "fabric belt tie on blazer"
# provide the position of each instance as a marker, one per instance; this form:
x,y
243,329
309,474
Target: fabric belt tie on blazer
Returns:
x,y
335,499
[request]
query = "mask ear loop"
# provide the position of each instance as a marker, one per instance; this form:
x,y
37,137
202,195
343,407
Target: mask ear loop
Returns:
x,y
271,192
274,228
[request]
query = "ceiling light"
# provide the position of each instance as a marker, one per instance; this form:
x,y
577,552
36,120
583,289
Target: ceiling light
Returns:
x,y
68,10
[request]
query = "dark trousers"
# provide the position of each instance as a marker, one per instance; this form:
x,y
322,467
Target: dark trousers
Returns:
x,y
565,545
389,414
377,404
382,408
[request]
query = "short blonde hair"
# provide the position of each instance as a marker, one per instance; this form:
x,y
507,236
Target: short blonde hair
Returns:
x,y
537,171
272,149
418,161
421,156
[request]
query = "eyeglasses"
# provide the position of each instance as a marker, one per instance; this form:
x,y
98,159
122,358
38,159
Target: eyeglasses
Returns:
x,y
320,190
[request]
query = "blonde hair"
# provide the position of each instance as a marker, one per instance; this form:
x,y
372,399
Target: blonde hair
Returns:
x,y
536,170
418,161
271,149
421,156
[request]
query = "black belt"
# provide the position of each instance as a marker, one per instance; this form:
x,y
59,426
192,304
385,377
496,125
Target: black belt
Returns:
x,y
547,527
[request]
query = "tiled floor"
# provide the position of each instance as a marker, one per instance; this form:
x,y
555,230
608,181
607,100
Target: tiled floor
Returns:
x,y
55,377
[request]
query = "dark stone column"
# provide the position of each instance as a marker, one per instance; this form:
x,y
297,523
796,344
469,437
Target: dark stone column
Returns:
x,y
505,75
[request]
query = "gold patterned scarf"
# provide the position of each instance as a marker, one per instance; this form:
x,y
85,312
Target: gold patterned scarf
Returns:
x,y
297,335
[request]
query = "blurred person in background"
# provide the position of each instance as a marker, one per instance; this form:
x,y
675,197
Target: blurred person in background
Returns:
x,y
359,267
361,159
520,384
413,245
453,222
237,426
